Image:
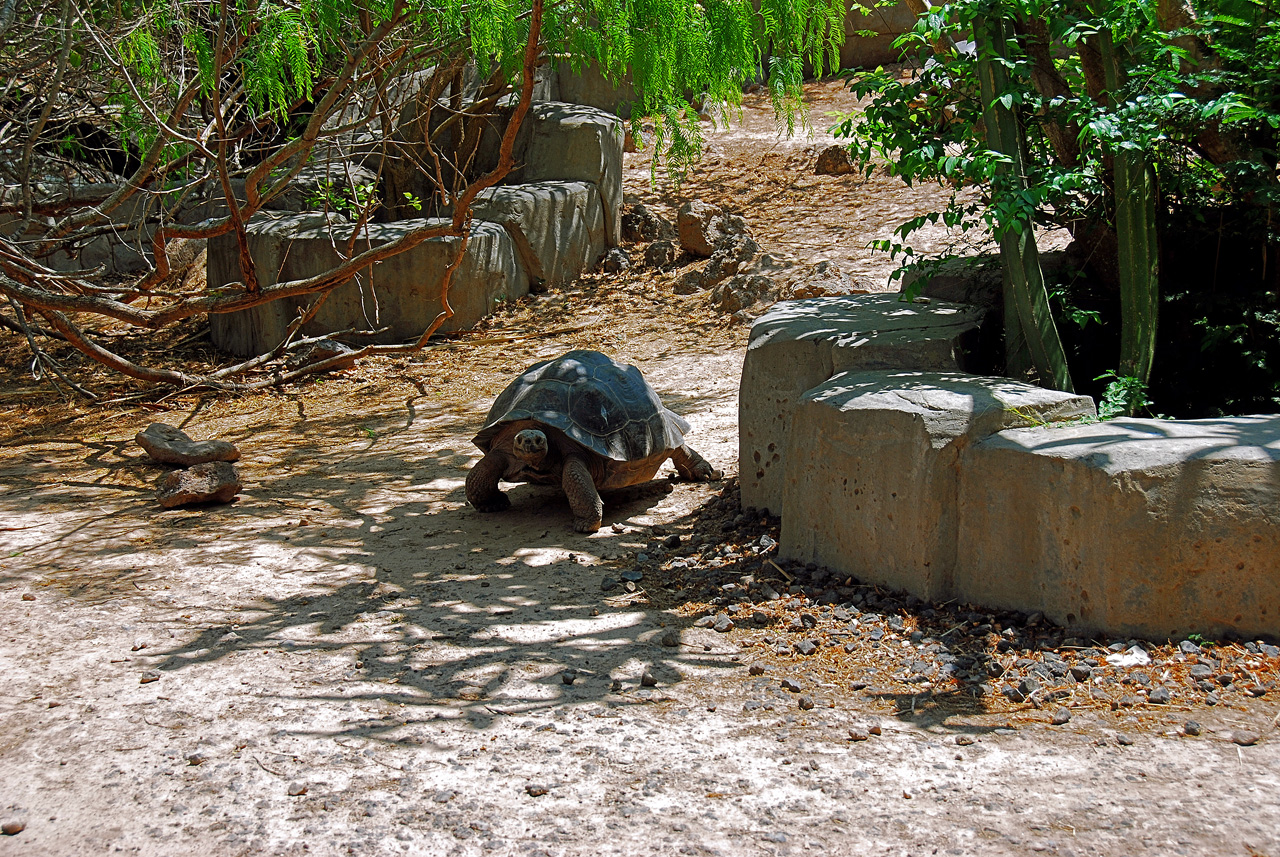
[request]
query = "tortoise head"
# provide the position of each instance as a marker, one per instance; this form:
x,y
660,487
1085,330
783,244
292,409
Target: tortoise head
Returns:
x,y
530,446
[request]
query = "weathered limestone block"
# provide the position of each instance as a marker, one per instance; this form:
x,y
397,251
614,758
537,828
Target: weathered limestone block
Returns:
x,y
557,227
871,479
1150,528
169,445
797,345
887,22
574,142
211,482
399,296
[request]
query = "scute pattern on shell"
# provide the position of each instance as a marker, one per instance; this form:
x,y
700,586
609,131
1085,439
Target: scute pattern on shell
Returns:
x,y
605,406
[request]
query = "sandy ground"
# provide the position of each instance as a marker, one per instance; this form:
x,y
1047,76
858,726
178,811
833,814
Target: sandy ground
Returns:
x,y
349,660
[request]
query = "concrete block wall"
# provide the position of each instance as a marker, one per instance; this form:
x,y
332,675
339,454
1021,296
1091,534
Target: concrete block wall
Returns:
x,y
949,485
548,230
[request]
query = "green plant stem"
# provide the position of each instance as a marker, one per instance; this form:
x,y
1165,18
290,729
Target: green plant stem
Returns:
x,y
1027,316
1138,248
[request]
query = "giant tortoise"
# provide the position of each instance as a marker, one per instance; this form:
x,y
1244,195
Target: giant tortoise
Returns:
x,y
585,423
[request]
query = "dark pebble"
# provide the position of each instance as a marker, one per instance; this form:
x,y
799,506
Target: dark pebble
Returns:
x,y
1192,728
632,574
13,828
756,669
569,676
1081,672
791,685
723,624
534,790
806,647
647,679
671,541
1060,716
1124,740
608,584
805,702
670,639
1159,696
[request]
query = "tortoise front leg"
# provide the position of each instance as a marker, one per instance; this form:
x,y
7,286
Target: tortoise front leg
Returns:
x,y
692,466
482,484
584,499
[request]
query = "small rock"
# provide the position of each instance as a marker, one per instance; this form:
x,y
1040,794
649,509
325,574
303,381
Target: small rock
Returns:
x,y
965,740
213,481
1191,728
790,684
833,161
569,676
704,621
723,624
701,226
13,827
608,584
769,593
1081,672
615,685
805,702
297,789
169,445
1188,648
1245,737
671,541
536,790
670,639
196,759
757,669
150,676
27,596
1124,740
633,574
616,261
806,647
1159,696
647,679
1060,716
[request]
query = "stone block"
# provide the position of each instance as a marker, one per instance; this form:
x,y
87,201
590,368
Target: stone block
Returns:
x,y
574,142
798,345
557,227
871,479
886,22
1145,528
399,297
588,85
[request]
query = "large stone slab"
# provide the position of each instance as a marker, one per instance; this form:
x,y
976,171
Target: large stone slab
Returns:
x,y
884,22
871,480
557,226
797,345
575,142
1151,528
399,296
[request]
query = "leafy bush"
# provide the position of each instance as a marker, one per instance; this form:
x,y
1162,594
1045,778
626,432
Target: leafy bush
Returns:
x,y
1185,98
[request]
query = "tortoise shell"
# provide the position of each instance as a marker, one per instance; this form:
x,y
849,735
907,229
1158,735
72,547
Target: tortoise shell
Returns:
x,y
605,407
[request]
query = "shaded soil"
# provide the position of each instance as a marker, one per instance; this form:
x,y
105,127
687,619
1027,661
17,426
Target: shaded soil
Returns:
x,y
350,660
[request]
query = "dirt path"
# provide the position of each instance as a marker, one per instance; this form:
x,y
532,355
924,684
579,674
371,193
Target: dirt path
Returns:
x,y
351,632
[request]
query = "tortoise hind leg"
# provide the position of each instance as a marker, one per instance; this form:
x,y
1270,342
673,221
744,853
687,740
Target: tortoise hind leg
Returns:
x,y
584,499
482,484
692,466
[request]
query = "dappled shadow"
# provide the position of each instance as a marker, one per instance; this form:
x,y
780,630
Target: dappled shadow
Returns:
x,y
351,550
